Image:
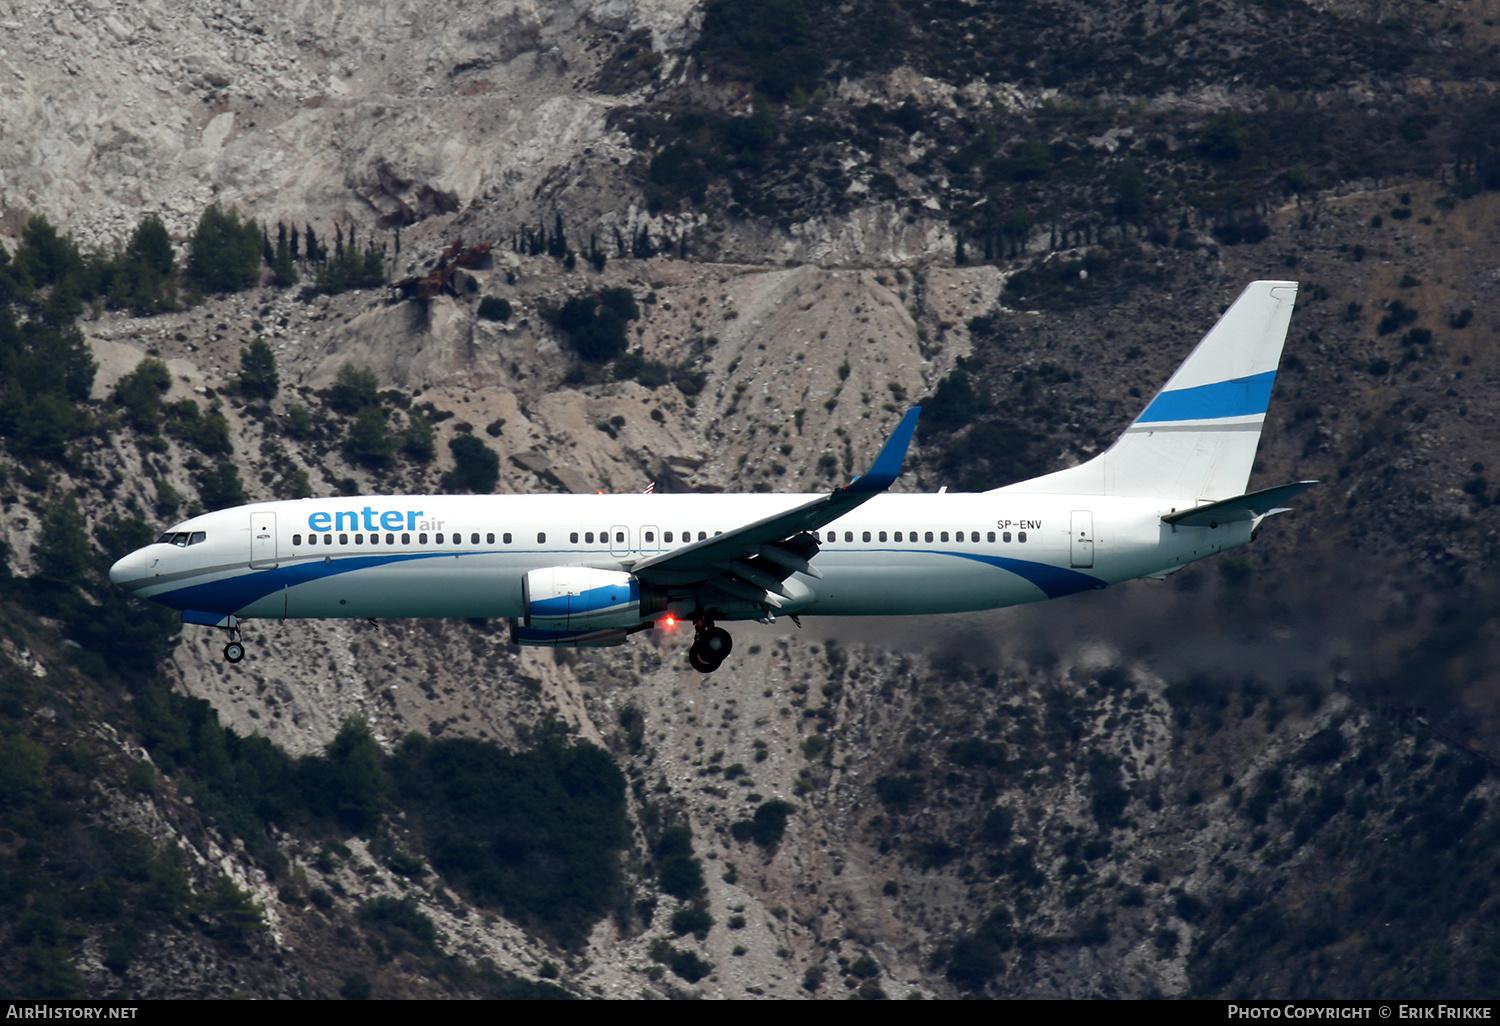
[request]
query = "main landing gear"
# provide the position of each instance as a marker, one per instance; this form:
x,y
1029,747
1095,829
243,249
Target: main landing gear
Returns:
x,y
711,646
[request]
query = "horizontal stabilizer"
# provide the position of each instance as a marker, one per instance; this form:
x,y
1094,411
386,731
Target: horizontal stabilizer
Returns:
x,y
1241,507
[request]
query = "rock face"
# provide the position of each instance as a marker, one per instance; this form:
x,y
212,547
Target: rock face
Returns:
x,y
367,114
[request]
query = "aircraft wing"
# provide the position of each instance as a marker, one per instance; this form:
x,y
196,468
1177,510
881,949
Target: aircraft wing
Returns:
x,y
752,561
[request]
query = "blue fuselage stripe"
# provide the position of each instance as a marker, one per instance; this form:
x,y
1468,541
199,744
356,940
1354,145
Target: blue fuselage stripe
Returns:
x,y
1238,397
232,594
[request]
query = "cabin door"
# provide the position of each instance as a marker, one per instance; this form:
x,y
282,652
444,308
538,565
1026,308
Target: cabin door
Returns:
x,y
262,540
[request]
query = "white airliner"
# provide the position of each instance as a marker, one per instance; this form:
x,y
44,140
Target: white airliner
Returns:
x,y
588,570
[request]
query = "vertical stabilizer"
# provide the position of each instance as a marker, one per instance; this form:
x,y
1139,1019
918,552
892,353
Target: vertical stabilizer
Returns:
x,y
1197,437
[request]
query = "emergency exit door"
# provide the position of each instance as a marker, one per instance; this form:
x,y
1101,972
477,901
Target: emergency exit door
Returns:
x,y
1083,538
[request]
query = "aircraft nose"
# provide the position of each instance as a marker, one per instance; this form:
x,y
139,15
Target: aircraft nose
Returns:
x,y
129,569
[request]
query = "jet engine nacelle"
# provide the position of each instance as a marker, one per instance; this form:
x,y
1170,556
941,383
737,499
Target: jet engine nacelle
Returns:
x,y
581,598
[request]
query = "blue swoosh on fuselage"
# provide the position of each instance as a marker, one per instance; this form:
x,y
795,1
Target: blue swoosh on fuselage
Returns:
x,y
232,594
1054,581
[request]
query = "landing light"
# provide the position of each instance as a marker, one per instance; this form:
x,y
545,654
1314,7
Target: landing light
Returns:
x,y
669,622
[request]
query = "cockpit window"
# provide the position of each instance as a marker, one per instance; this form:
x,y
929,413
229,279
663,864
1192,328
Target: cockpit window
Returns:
x,y
182,538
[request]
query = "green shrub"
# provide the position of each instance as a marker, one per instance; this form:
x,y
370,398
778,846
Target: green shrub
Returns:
x,y
369,442
353,389
220,487
400,924
691,919
140,392
898,792
476,467
537,833
679,873
417,441
493,308
1225,137
596,325
767,827
766,42
206,432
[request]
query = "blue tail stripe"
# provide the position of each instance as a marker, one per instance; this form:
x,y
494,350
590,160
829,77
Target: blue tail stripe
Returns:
x,y
1237,397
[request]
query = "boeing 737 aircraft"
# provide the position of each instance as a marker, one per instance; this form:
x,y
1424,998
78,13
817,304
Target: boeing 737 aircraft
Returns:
x,y
589,570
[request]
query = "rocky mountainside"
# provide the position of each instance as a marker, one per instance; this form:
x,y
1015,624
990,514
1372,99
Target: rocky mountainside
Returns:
x,y
1267,776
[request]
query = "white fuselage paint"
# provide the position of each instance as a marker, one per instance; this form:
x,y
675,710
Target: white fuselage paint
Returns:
x,y
276,571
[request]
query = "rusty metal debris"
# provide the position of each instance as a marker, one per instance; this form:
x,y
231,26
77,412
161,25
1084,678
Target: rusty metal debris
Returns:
x,y
441,278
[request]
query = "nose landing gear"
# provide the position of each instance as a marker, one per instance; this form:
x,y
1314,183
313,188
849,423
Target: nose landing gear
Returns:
x,y
711,646
235,650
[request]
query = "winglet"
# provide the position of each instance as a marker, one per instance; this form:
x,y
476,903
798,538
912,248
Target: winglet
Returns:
x,y
882,473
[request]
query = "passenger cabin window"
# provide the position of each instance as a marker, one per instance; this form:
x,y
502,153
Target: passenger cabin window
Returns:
x,y
651,536
438,538
489,539
1020,536
343,539
990,537
474,539
620,537
421,539
296,539
505,537
898,535
406,539
541,537
867,536
667,537
848,536
1005,537
943,536
929,536
574,538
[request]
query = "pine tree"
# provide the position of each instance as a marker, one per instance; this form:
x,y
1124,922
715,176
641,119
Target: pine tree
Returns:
x,y
225,253
258,377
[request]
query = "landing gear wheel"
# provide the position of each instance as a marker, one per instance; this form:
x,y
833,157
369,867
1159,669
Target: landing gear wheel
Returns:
x,y
710,648
715,643
234,651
